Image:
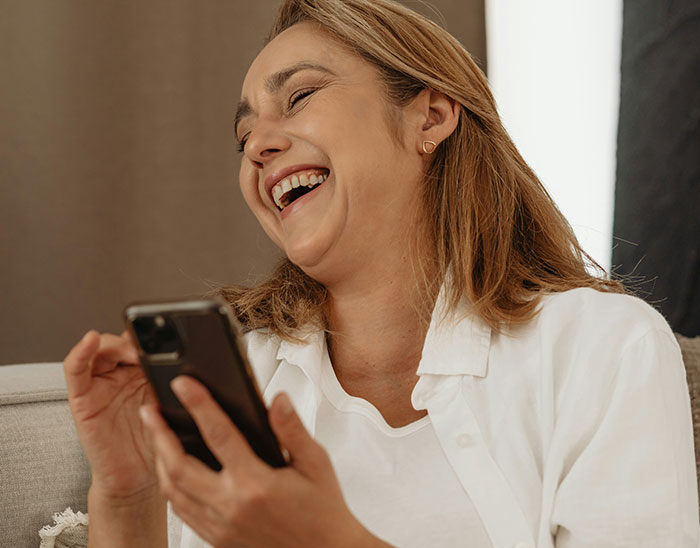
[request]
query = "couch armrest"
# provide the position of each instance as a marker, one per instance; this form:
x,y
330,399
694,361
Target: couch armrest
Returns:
x,y
42,466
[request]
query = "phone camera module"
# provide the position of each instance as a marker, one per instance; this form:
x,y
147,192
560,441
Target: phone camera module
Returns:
x,y
157,335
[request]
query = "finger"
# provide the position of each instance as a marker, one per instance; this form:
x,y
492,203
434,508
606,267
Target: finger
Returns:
x,y
306,455
177,496
113,350
200,517
203,520
220,434
130,339
76,366
183,472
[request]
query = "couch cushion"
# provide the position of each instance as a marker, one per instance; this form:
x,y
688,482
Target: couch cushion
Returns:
x,y
42,465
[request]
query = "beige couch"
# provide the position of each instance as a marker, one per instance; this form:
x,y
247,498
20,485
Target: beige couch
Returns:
x,y
42,466
43,469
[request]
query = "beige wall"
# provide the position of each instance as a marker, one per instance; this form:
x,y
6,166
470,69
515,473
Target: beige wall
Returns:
x,y
118,170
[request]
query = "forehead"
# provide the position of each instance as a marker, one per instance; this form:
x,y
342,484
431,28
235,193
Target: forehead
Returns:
x,y
303,42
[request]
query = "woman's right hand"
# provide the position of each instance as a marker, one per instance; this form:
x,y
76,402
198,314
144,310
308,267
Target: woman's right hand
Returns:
x,y
106,388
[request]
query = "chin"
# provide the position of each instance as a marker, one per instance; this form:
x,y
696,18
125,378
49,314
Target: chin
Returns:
x,y
314,259
306,257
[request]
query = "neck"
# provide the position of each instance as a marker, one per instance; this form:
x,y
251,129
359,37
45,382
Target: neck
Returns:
x,y
377,329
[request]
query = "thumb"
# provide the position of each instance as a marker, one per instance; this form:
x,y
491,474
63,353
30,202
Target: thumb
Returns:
x,y
305,455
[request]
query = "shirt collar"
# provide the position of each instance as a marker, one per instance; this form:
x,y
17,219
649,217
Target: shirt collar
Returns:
x,y
457,343
307,354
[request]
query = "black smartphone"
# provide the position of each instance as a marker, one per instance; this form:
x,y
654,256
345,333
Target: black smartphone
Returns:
x,y
200,338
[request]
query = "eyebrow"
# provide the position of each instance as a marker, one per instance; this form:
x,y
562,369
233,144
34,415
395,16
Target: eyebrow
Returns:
x,y
273,84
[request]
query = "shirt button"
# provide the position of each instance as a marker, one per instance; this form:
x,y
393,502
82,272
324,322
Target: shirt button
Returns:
x,y
464,441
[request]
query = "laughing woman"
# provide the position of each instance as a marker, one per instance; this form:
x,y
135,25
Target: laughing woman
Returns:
x,y
439,362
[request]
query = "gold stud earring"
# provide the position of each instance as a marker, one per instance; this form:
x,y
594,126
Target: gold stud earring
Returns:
x,y
430,144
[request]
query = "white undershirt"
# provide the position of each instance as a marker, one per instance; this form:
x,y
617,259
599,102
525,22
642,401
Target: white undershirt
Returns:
x,y
397,481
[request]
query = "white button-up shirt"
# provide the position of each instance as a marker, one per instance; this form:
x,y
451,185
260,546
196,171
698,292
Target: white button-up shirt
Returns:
x,y
571,430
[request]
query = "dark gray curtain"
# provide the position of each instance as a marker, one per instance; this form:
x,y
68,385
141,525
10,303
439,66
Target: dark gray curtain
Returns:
x,y
657,198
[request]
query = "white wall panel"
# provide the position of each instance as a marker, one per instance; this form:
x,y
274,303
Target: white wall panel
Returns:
x,y
554,66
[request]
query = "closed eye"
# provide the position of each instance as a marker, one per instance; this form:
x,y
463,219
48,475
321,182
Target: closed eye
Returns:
x,y
294,99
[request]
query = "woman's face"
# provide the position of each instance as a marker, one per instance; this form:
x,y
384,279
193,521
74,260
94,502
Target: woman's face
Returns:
x,y
323,170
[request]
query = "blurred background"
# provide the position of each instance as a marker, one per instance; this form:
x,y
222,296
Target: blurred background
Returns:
x,y
118,163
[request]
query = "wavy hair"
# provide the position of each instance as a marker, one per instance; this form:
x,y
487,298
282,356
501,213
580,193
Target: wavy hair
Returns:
x,y
493,225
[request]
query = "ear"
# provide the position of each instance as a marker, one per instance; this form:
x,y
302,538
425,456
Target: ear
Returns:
x,y
437,116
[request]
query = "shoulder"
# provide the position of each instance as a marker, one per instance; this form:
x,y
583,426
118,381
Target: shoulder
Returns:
x,y
586,315
586,341
594,343
617,416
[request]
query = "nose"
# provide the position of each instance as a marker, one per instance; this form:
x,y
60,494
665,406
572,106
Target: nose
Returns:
x,y
265,143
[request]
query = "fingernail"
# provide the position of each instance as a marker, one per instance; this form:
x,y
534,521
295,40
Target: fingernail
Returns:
x,y
285,405
179,386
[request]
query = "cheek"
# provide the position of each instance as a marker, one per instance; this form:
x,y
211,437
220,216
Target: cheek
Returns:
x,y
248,183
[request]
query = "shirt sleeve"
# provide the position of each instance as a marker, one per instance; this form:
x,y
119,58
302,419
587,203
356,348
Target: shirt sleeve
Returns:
x,y
631,480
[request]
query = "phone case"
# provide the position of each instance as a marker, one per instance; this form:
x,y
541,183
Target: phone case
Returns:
x,y
199,338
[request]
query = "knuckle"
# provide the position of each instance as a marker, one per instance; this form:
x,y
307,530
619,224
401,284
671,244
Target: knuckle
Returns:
x,y
298,437
122,346
106,339
218,433
176,471
232,514
257,495
319,458
196,398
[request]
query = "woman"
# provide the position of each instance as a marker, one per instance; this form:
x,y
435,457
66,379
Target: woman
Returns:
x,y
441,367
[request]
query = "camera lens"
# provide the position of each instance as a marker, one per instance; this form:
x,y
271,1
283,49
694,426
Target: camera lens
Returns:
x,y
157,335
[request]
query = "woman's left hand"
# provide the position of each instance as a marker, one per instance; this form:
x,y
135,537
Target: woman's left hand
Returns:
x,y
248,502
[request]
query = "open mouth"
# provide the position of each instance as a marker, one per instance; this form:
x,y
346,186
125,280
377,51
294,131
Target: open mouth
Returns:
x,y
295,186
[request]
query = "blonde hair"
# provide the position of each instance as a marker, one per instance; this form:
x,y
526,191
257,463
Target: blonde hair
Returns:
x,y
493,224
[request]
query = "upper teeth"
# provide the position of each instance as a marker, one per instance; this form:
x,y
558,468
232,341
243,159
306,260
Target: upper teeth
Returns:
x,y
308,179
